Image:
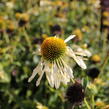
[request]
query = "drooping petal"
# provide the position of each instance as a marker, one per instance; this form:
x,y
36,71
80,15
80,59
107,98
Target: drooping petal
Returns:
x,y
35,71
88,53
39,79
65,78
81,62
83,52
80,53
49,75
78,59
67,69
62,75
56,80
49,78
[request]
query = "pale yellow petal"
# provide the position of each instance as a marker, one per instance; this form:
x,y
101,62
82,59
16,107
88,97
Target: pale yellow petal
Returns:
x,y
78,59
35,71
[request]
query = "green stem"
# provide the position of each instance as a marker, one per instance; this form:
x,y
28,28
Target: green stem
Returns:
x,y
104,43
105,62
73,80
93,102
85,101
27,39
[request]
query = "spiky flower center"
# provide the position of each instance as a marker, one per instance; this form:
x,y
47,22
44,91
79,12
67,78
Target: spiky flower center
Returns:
x,y
53,48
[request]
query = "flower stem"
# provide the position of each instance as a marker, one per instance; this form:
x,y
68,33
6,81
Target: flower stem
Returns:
x,y
73,80
27,39
105,61
85,101
93,102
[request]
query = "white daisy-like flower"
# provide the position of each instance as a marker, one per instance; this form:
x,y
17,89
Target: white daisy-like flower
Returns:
x,y
53,51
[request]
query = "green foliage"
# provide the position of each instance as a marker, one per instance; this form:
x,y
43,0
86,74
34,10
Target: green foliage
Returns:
x,y
19,41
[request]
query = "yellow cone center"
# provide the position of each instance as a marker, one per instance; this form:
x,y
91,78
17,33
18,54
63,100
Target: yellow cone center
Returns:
x,y
53,48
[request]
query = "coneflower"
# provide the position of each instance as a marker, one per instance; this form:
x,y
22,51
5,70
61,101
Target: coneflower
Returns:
x,y
75,93
53,51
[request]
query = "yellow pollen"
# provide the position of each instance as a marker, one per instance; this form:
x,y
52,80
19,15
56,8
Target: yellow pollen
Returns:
x,y
53,48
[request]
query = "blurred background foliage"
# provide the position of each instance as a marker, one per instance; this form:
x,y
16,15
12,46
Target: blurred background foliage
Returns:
x,y
24,24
